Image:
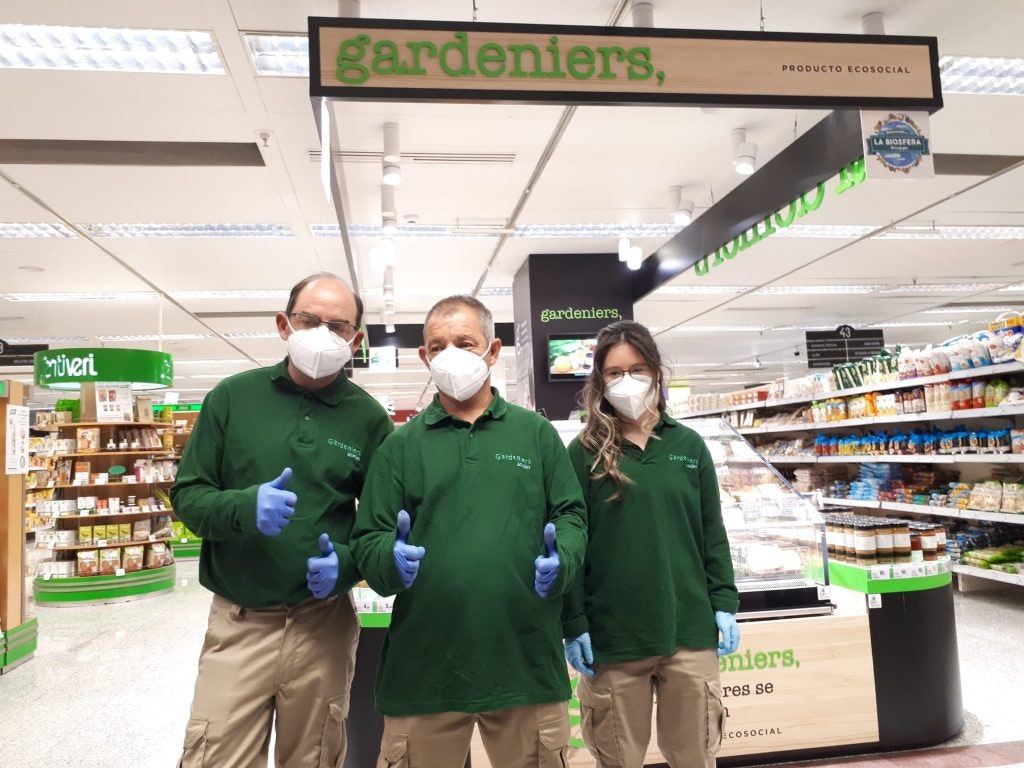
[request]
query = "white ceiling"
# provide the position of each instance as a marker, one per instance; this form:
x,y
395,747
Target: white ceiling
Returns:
x,y
612,166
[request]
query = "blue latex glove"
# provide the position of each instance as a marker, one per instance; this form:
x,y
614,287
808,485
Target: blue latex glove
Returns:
x,y
730,633
579,653
322,572
546,567
275,504
407,558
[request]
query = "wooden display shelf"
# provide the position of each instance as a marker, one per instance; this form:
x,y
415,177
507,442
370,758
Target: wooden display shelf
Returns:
x,y
121,515
96,485
108,545
89,455
71,590
69,424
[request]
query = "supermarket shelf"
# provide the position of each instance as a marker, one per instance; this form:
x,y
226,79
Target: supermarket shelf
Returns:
x,y
78,590
922,509
915,459
158,453
989,458
974,373
985,573
1002,411
792,460
118,515
98,485
69,424
107,545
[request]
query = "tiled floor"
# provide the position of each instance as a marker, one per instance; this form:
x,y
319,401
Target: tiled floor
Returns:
x,y
111,685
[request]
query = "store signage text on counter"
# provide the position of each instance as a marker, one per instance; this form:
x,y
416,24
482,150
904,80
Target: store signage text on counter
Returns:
x,y
849,177
407,60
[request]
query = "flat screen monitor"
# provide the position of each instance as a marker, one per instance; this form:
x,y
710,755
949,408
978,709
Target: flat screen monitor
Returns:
x,y
570,356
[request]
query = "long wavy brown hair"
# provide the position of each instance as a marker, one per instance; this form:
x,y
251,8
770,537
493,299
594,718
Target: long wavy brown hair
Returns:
x,y
602,434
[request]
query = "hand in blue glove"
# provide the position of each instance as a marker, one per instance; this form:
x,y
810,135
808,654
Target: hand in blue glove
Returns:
x,y
579,653
407,558
546,567
275,504
322,572
730,633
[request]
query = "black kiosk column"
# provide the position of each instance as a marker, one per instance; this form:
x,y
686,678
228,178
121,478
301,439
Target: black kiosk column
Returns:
x,y
561,301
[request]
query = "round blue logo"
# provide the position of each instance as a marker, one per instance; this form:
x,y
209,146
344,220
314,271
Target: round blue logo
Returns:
x,y
898,143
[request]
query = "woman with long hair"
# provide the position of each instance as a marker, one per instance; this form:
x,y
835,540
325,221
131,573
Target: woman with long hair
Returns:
x,y
657,590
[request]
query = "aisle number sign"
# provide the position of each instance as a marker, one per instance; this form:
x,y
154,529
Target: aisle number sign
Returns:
x,y
408,60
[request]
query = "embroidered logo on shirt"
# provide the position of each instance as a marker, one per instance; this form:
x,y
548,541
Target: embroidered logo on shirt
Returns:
x,y
688,462
352,451
520,461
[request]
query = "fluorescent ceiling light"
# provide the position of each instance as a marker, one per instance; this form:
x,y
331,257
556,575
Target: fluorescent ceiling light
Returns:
x,y
943,232
980,309
45,339
157,337
982,75
203,376
721,329
917,324
253,335
84,296
825,231
495,292
104,49
815,290
695,290
30,230
1016,287
276,295
279,55
939,288
189,230
225,361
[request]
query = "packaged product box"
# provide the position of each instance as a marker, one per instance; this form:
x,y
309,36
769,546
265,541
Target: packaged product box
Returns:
x,y
85,534
88,562
144,409
141,530
63,538
114,503
156,555
110,561
162,526
88,439
133,558
124,533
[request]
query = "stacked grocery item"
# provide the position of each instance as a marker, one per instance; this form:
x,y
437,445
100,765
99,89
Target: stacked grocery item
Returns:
x,y
862,540
1007,559
959,440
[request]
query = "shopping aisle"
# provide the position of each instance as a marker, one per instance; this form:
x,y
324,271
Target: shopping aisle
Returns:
x,y
111,685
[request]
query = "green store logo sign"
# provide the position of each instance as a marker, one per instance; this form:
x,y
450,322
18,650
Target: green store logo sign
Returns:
x,y
61,366
574,313
849,177
361,57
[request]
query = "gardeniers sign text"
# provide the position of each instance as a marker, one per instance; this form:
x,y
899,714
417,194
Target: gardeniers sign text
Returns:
x,y
445,61
808,202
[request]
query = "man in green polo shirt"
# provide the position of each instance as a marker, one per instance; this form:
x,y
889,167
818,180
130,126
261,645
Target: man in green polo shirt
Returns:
x,y
269,480
472,515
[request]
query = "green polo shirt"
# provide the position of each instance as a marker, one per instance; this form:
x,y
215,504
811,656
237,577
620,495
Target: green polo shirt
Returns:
x,y
658,563
251,427
471,634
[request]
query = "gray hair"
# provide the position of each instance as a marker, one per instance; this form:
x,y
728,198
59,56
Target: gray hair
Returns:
x,y
451,304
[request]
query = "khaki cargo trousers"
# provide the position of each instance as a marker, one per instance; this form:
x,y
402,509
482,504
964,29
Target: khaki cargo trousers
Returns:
x,y
520,737
292,665
617,705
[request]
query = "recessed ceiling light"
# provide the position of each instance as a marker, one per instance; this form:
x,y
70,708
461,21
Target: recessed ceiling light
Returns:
x,y
944,232
814,290
276,295
825,231
675,290
982,75
84,296
225,361
917,324
253,335
45,339
189,230
970,309
104,49
31,268
939,288
279,55
14,229
157,337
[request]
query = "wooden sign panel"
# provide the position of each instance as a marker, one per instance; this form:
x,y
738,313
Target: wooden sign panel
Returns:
x,y
796,684
401,60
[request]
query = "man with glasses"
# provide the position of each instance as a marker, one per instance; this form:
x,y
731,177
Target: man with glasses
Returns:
x,y
269,480
473,516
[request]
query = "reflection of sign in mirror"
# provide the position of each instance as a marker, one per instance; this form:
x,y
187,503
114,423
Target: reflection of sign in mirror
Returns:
x,y
407,60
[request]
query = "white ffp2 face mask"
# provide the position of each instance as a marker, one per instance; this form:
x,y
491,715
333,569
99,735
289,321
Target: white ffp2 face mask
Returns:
x,y
632,396
317,352
459,373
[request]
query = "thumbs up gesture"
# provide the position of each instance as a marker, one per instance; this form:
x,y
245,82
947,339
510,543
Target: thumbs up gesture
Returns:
x,y
407,558
546,566
322,572
275,504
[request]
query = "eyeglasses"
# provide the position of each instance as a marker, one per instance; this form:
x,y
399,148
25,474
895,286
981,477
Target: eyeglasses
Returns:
x,y
614,376
307,322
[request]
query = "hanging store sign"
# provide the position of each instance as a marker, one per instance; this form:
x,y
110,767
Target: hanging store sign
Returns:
x,y
897,145
849,177
70,368
12,355
385,59
843,345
